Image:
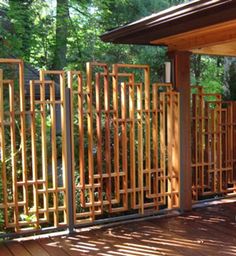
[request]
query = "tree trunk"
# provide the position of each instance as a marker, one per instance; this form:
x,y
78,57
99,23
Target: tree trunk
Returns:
x,y
62,19
229,78
196,68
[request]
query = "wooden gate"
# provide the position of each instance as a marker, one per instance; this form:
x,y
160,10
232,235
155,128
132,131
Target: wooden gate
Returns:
x,y
213,147
116,151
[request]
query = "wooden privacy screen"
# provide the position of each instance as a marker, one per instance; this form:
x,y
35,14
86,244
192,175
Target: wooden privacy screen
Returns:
x,y
213,147
33,185
124,143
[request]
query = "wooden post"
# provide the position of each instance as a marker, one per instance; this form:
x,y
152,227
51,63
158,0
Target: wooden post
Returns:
x,y
181,76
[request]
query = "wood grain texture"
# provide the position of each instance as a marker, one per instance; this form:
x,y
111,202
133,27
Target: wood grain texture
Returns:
x,y
205,231
213,135
123,172
181,61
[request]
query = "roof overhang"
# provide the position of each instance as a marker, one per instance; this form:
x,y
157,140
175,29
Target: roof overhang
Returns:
x,y
207,27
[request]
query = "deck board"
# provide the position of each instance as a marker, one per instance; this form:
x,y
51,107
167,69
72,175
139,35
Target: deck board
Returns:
x,y
52,247
202,232
16,248
4,251
34,248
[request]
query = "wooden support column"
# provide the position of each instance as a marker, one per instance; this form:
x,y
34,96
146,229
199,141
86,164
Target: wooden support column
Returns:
x,y
181,81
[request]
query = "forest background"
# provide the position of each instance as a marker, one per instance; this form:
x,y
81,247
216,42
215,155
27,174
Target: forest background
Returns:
x,y
64,34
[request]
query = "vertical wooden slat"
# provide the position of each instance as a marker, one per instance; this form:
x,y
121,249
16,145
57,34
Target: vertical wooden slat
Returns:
x,y
116,133
124,142
147,126
132,144
214,148
140,146
34,151
170,140
155,132
23,134
230,140
44,144
99,139
13,153
54,152
202,139
176,147
75,87
81,138
70,75
234,146
208,139
163,144
194,146
65,145
219,145
2,148
90,137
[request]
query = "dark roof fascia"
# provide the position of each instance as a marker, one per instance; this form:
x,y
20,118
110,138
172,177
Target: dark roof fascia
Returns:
x,y
173,21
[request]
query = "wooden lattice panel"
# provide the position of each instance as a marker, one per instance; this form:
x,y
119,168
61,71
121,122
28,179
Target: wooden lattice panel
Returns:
x,y
123,135
132,138
48,150
213,150
33,187
13,189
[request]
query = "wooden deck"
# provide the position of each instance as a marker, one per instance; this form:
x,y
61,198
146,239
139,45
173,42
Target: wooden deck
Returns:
x,y
205,231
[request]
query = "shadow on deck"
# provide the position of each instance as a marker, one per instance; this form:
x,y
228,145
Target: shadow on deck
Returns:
x,y
204,231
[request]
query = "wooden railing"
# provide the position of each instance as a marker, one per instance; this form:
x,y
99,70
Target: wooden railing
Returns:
x,y
213,145
85,147
102,147
132,153
81,148
33,163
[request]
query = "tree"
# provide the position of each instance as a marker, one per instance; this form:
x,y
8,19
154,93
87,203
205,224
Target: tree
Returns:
x,y
21,19
62,18
230,78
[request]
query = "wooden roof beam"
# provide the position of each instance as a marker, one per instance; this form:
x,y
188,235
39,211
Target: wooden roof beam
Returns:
x,y
174,21
226,49
207,37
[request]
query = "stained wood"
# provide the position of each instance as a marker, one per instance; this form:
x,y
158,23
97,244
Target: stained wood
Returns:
x,y
34,248
203,232
118,129
181,61
53,248
17,248
222,35
212,148
4,251
182,19
77,245
118,111
222,49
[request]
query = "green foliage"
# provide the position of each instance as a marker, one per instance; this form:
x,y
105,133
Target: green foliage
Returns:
x,y
19,14
208,72
28,218
55,39
43,38
231,81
